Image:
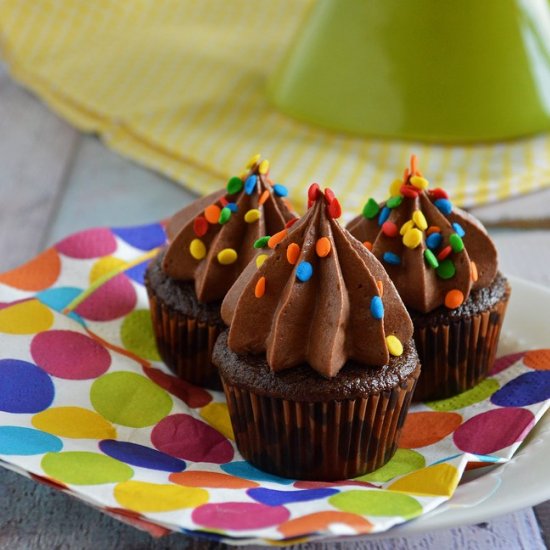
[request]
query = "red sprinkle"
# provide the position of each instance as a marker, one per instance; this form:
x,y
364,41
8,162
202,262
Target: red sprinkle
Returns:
x,y
291,222
334,209
313,191
410,191
390,229
444,253
329,195
200,226
439,193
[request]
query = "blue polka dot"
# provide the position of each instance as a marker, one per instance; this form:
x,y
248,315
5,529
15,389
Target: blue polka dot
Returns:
x,y
304,271
24,388
526,389
445,206
139,455
433,241
377,307
59,298
144,237
137,273
247,471
250,185
280,190
384,215
271,497
391,258
15,440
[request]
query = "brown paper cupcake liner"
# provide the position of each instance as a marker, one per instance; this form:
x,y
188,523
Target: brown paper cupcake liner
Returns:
x,y
455,357
185,344
329,440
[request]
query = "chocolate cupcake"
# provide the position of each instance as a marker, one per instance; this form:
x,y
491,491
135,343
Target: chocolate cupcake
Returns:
x,y
318,364
444,266
210,242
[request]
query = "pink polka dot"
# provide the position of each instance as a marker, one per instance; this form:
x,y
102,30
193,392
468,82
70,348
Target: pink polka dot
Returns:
x,y
183,436
70,355
116,298
239,516
493,430
505,361
90,243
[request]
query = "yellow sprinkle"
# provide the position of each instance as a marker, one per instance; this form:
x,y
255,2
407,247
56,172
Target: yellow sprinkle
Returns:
x,y
395,187
253,160
260,260
227,256
252,216
395,347
244,175
264,167
412,238
421,183
406,226
420,220
197,249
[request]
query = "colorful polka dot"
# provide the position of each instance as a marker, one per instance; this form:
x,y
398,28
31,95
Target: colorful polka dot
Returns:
x,y
426,428
377,503
437,480
272,497
318,522
402,462
139,455
538,359
527,389
214,480
87,244
246,470
468,398
142,237
502,363
38,274
136,333
74,423
58,298
26,317
16,440
217,415
105,266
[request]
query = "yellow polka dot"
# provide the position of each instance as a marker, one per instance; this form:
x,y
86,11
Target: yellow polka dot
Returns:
x,y
197,249
395,347
395,187
420,220
25,318
104,266
74,422
419,182
412,238
252,216
260,260
227,256
217,415
141,496
406,227
437,480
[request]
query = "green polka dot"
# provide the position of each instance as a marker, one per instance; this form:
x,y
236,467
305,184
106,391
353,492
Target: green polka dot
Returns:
x,y
377,503
137,335
129,399
403,462
479,393
83,468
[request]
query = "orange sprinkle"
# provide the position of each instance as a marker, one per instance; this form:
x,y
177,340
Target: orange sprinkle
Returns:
x,y
454,299
276,239
263,197
368,245
292,253
473,272
432,229
406,175
380,286
259,290
212,213
323,247
413,165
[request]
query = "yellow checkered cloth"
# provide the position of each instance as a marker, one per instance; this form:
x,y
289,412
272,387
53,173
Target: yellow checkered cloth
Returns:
x,y
178,85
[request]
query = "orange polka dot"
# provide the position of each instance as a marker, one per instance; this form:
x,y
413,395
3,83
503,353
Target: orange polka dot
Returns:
x,y
538,359
426,428
319,521
38,274
212,213
292,253
214,480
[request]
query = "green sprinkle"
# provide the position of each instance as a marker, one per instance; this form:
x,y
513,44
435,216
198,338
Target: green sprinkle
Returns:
x,y
394,202
430,258
234,185
225,214
371,209
262,242
446,269
457,244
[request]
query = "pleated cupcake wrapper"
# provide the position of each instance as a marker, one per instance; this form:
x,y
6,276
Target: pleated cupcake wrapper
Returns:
x,y
331,440
185,344
457,356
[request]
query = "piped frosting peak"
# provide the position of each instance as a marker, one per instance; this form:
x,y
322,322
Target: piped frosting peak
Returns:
x,y
211,240
434,252
318,297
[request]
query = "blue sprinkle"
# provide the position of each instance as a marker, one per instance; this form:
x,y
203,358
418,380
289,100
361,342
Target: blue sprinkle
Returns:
x,y
304,271
391,258
434,240
445,206
459,229
232,206
384,215
377,307
250,185
280,190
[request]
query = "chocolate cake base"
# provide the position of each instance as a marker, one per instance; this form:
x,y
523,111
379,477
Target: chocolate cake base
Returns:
x,y
299,425
185,329
457,347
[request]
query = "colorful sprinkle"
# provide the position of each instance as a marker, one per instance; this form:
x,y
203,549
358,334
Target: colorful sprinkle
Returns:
x,y
395,347
260,260
250,184
227,256
456,242
264,167
459,229
304,271
377,307
419,182
225,215
394,202
430,258
371,209
234,185
277,238
368,245
395,187
420,220
263,197
444,253
439,193
446,269
473,272
433,229
390,229
380,286
323,247
454,299
253,160
313,192
391,258
259,289
292,253
434,240
261,242
412,238
445,206
200,226
334,209
232,206
197,249
280,190
329,195
384,215
252,216
223,201
406,226
291,222
212,213
409,191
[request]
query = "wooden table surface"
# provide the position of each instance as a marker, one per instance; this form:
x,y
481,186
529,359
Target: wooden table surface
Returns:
x,y
54,181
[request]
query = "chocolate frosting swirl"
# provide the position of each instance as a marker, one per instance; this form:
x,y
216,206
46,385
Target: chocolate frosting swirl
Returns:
x,y
428,270
211,240
319,298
